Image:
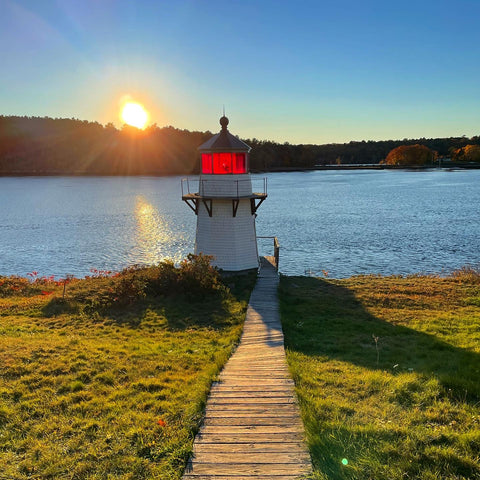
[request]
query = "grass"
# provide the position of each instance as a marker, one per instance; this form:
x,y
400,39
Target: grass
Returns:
x,y
387,372
94,390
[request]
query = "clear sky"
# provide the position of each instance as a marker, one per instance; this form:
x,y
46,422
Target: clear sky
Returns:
x,y
298,71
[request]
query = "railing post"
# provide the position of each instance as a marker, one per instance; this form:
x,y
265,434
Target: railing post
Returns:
x,y
276,252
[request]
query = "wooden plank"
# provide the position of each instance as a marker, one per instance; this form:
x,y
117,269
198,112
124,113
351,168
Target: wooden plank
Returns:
x,y
249,469
265,409
232,388
261,336
267,365
268,350
253,411
251,429
199,448
245,381
215,400
249,457
254,420
249,437
213,414
190,476
254,376
276,390
250,388
245,368
252,394
263,394
258,358
244,371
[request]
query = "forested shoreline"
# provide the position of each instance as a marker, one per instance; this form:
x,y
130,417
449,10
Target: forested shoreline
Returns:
x,y
47,146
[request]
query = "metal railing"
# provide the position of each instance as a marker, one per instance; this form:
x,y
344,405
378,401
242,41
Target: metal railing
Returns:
x,y
276,250
186,190
238,190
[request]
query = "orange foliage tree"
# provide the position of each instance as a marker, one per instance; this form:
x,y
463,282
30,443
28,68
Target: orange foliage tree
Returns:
x,y
469,153
410,155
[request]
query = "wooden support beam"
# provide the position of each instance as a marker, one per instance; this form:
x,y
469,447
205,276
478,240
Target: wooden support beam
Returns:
x,y
193,205
254,206
208,205
235,202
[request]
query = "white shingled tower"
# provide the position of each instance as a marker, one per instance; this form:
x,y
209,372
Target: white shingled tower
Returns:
x,y
225,204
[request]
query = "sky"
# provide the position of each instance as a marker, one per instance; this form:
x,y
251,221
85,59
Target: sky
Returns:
x,y
290,71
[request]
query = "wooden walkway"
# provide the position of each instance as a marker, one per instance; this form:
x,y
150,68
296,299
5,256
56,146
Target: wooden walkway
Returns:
x,y
252,428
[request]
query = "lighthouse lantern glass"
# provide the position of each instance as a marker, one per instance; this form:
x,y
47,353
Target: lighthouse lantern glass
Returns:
x,y
239,164
207,166
224,163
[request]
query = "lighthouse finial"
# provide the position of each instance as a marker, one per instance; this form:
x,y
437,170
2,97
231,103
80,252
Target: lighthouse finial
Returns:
x,y
224,120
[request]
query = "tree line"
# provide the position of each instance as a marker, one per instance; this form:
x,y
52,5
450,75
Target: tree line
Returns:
x,y
48,146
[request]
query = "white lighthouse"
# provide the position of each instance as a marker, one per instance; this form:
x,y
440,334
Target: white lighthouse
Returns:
x,y
225,204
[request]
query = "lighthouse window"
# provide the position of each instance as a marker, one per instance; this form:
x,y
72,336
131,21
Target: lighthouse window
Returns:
x,y
207,166
239,165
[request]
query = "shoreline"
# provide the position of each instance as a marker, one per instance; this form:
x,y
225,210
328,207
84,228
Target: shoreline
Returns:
x,y
374,166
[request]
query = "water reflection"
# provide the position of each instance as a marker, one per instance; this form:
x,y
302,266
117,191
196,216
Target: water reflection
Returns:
x,y
153,235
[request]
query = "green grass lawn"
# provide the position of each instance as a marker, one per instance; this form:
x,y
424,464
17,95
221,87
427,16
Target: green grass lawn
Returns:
x,y
387,371
91,390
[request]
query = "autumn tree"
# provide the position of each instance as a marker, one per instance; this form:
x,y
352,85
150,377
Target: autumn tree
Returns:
x,y
410,155
469,153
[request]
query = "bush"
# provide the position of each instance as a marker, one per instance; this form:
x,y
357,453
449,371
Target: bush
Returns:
x,y
18,286
128,287
195,277
162,279
467,274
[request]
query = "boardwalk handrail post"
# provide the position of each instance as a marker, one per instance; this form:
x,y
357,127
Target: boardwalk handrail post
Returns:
x,y
276,249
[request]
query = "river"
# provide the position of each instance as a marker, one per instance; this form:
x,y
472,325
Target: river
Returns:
x,y
340,222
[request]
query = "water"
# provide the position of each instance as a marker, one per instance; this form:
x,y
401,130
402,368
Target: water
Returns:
x,y
340,222
367,221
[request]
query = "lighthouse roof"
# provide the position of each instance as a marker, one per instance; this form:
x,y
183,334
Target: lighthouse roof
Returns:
x,y
224,141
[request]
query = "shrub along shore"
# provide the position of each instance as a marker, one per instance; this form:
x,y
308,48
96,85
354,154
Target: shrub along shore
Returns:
x,y
107,377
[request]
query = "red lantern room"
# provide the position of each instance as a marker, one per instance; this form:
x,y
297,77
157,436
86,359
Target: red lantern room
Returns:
x,y
224,154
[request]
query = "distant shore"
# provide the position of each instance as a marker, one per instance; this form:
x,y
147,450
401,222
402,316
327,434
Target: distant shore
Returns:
x,y
374,166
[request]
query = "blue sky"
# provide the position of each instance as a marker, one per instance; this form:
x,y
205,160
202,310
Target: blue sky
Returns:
x,y
296,71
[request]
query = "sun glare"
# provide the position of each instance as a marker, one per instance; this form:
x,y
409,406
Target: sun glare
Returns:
x,y
134,114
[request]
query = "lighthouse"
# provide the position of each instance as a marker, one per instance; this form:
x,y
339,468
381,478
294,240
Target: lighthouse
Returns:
x,y
225,204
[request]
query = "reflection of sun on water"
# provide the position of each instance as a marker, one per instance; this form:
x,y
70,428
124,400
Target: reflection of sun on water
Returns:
x,y
153,235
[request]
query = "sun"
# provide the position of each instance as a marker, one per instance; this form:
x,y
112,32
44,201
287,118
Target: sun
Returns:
x,y
134,114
